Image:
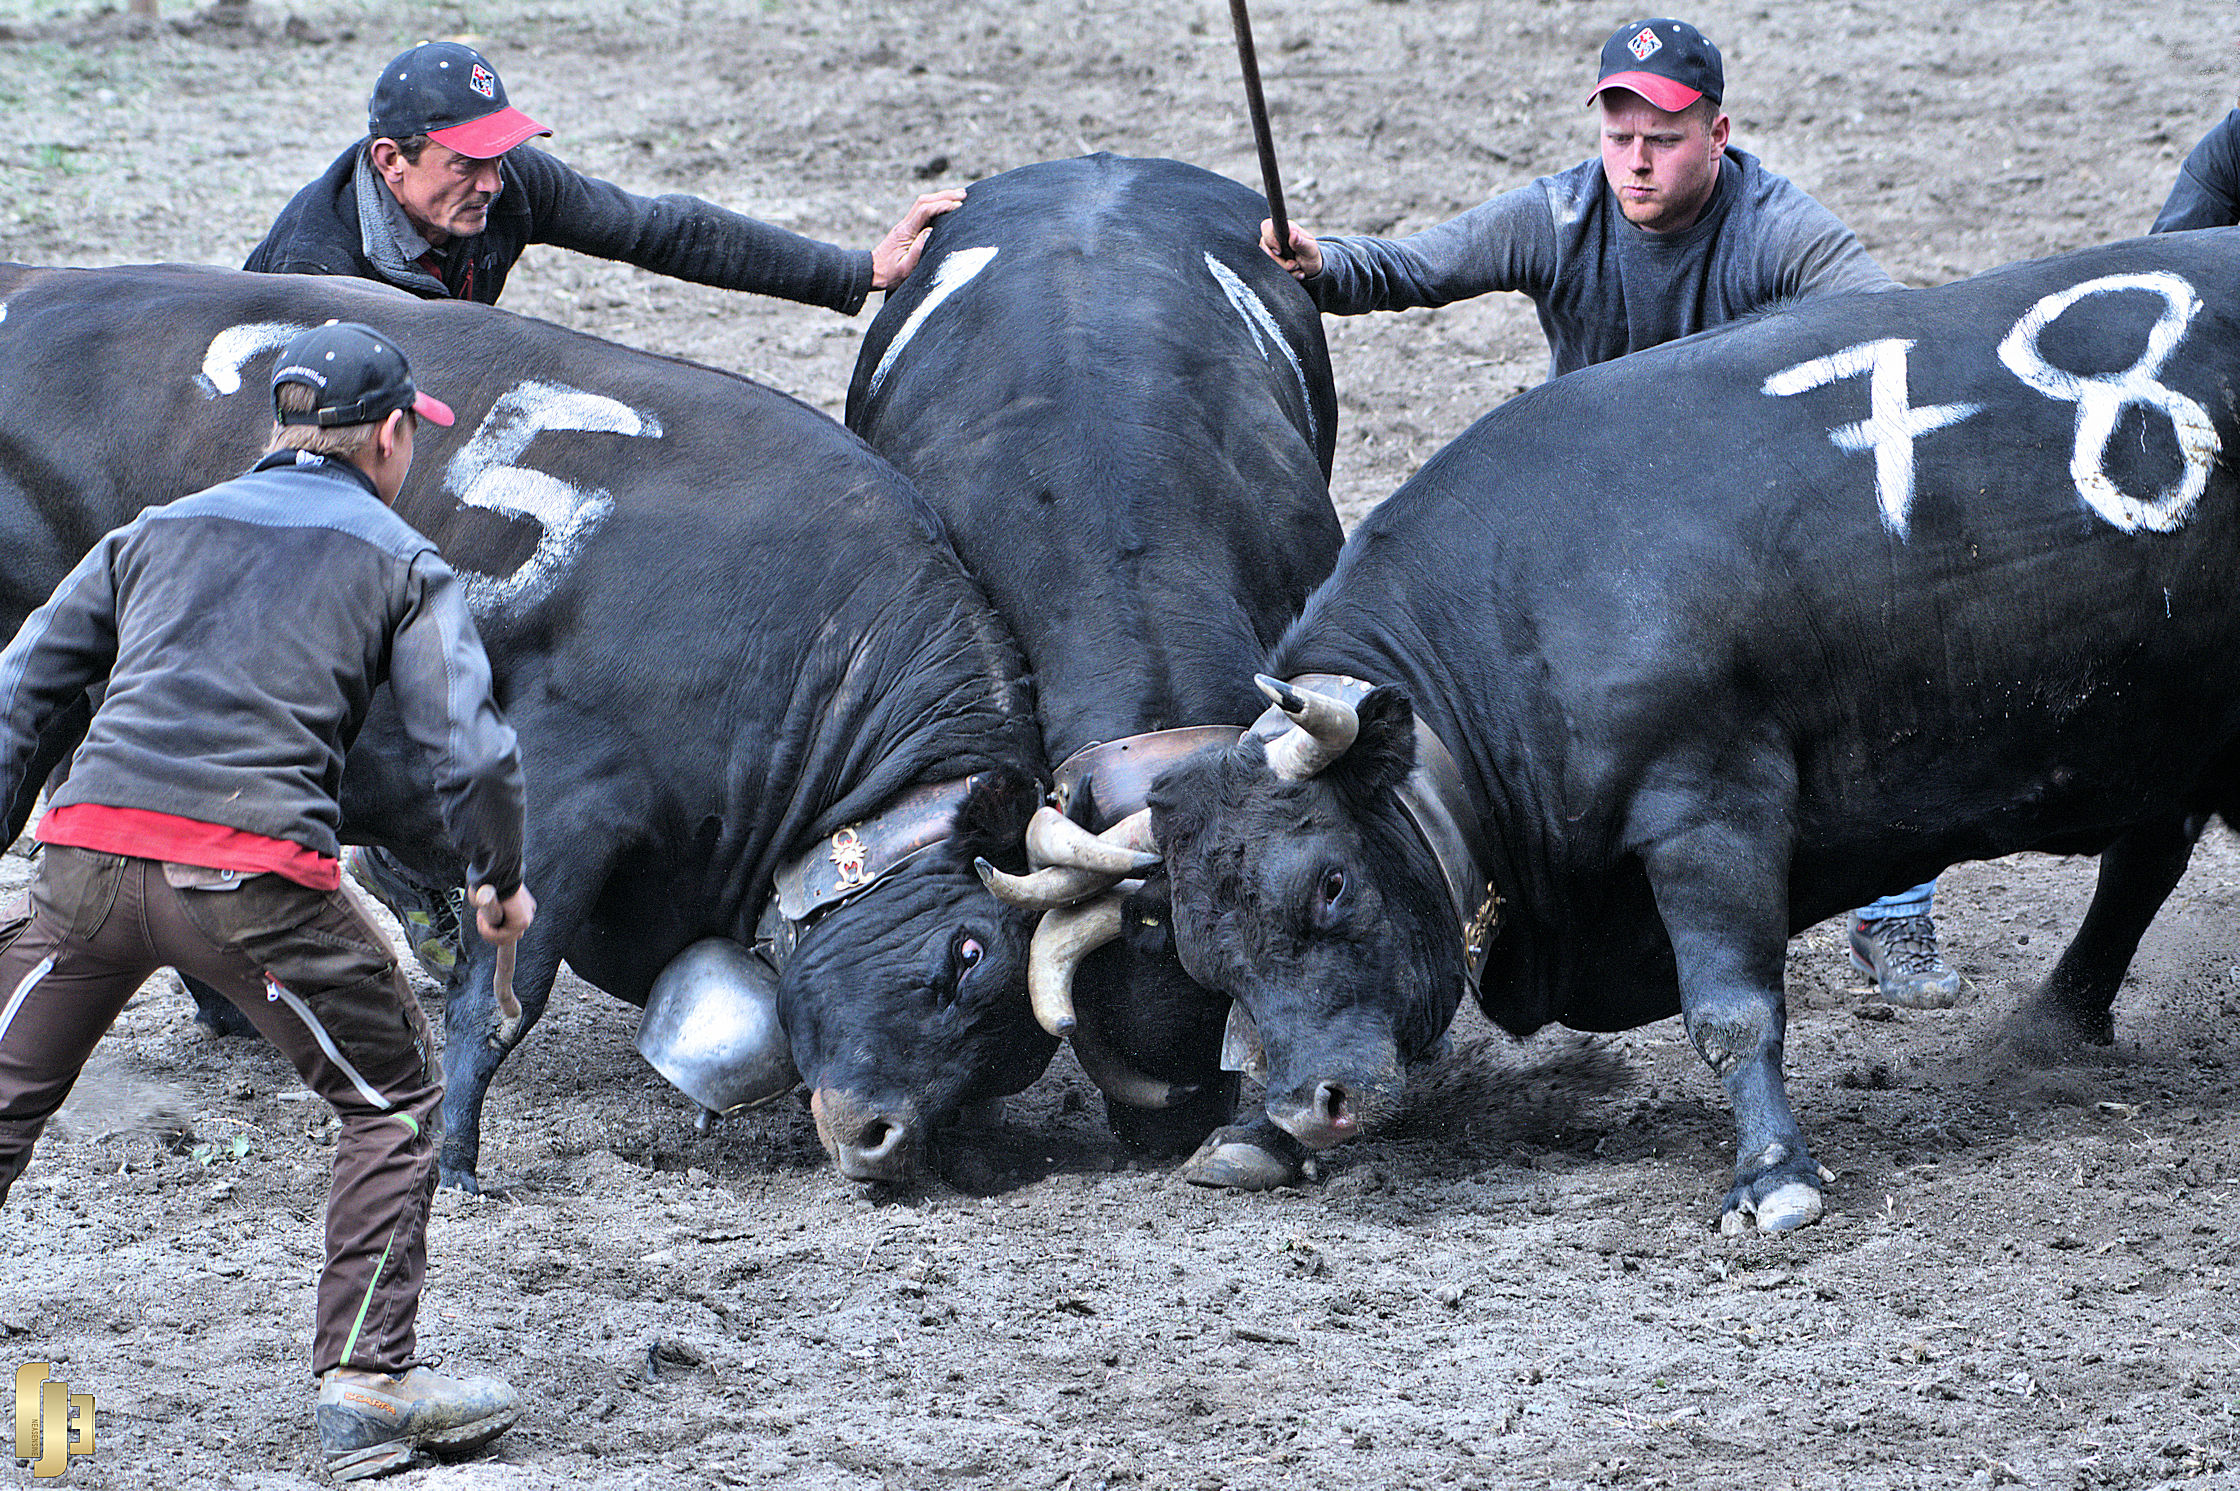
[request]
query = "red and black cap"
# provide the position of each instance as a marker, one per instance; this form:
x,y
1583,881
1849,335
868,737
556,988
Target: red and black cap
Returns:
x,y
359,376
451,94
1667,62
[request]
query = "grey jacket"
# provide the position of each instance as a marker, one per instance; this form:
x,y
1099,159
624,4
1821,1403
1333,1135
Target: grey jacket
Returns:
x,y
241,632
1604,287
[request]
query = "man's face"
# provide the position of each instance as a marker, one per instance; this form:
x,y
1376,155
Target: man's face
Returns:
x,y
1662,166
447,195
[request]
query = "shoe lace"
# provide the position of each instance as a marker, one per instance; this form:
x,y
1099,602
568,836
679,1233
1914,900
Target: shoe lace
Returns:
x,y
1909,945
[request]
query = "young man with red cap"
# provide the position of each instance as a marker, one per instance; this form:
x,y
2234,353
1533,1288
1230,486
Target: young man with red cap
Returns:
x,y
198,826
1668,232
443,195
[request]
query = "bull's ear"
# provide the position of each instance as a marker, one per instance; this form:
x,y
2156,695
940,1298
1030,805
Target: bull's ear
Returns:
x,y
1384,752
992,822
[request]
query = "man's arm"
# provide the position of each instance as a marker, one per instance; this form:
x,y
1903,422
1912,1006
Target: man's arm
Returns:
x,y
62,648
1508,243
441,678
1806,250
685,238
2207,191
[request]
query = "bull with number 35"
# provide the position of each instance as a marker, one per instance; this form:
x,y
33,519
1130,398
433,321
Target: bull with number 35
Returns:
x,y
1667,659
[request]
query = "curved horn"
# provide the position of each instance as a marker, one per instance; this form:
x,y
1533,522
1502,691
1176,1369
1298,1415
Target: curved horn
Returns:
x,y
1117,1080
1322,729
1055,839
1045,890
1061,940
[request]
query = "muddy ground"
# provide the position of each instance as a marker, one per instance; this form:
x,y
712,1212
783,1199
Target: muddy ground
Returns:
x,y
2026,1276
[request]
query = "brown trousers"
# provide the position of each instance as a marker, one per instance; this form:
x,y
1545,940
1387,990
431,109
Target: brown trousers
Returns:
x,y
317,978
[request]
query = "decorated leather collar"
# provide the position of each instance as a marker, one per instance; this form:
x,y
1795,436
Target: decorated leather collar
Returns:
x,y
852,859
1439,808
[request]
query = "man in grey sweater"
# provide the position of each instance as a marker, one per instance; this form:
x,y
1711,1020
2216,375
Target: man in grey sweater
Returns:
x,y
1668,232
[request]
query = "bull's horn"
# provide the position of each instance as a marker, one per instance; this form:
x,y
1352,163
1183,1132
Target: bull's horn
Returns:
x,y
1061,940
1045,890
1117,1080
1322,729
1055,839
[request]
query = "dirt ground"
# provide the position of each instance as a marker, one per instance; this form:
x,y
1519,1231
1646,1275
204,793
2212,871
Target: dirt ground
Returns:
x,y
2025,1276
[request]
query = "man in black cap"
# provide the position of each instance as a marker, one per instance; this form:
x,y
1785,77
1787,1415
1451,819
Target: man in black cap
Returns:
x,y
1670,231
198,830
443,195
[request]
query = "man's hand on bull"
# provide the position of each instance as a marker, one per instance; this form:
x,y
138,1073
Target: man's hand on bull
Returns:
x,y
895,255
1306,255
503,921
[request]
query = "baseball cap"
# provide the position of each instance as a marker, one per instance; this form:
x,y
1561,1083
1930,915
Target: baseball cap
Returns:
x,y
359,374
451,94
1667,62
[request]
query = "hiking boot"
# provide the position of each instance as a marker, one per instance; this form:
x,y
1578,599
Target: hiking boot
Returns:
x,y
1900,954
373,1424
428,912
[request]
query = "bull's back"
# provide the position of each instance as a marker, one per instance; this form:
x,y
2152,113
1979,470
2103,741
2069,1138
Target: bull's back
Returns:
x,y
1124,412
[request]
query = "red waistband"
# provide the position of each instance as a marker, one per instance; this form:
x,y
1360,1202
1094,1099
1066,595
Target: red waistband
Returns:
x,y
186,841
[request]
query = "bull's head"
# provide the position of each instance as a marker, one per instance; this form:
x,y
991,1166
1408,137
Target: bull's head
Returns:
x,y
907,1002
1301,889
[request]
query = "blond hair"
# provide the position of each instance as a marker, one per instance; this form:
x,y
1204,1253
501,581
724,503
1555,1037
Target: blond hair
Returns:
x,y
321,440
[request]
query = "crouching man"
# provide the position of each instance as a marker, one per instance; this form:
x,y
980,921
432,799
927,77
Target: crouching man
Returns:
x,y
198,829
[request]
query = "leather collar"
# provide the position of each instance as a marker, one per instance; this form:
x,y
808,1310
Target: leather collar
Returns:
x,y
1118,773
1439,808
851,860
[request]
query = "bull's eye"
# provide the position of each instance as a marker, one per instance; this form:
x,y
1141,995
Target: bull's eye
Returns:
x,y
969,954
1333,887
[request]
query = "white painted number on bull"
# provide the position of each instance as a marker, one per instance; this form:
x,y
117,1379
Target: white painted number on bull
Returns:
x,y
2101,400
953,273
231,349
1261,322
483,475
1891,425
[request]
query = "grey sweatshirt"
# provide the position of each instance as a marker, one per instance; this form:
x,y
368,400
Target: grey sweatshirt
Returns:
x,y
1604,287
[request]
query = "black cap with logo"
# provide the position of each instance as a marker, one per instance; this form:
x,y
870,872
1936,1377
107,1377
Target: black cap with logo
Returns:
x,y
1667,62
451,94
359,376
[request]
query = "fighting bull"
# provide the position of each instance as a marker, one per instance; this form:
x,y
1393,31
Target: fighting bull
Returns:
x,y
1124,413
1670,658
758,699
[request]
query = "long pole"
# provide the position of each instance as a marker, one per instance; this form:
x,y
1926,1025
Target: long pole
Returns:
x,y
1249,60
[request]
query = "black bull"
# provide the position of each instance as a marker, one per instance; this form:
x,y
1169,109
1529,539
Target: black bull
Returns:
x,y
1726,637
1124,412
723,628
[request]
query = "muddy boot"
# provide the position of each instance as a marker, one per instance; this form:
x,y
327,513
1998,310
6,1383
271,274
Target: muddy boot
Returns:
x,y
372,1424
1900,954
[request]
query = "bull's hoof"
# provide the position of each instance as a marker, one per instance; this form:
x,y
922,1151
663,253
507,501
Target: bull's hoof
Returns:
x,y
1248,1159
1780,1198
2050,1028
454,1179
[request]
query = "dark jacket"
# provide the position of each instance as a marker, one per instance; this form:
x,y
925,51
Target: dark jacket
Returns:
x,y
2207,191
546,201
242,632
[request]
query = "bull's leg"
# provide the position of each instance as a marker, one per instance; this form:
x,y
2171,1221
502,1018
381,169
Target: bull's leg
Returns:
x,y
1723,898
476,1041
2137,873
1256,1155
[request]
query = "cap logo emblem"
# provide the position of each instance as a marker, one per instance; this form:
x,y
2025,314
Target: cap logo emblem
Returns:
x,y
1643,45
483,83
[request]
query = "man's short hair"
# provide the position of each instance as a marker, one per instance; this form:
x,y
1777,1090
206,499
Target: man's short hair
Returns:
x,y
342,441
